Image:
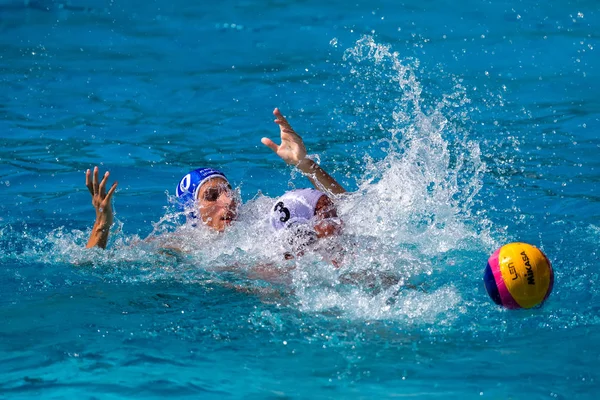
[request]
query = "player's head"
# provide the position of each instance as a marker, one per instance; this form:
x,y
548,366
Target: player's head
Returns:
x,y
306,215
207,191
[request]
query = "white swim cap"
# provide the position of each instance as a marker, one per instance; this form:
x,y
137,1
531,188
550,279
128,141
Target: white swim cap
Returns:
x,y
295,206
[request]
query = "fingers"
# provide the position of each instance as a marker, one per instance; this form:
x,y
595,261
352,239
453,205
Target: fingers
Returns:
x,y
95,183
111,191
283,123
102,187
285,128
88,181
270,144
280,118
91,182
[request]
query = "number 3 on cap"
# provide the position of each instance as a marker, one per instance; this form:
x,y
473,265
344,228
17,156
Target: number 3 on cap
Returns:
x,y
284,211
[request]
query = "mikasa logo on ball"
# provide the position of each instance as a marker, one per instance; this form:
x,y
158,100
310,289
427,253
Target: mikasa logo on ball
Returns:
x,y
530,279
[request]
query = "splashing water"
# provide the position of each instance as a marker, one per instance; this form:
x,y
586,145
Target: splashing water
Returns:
x,y
407,228
412,214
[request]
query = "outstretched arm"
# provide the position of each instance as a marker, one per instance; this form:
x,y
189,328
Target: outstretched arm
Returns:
x,y
293,152
102,203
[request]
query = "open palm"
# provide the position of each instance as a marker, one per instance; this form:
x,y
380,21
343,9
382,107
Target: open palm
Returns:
x,y
291,149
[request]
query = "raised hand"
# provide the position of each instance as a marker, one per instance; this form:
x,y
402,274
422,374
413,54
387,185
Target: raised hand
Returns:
x,y
291,149
101,200
293,152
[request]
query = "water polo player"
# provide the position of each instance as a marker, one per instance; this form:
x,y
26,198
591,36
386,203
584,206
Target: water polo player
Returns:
x,y
302,217
204,192
208,191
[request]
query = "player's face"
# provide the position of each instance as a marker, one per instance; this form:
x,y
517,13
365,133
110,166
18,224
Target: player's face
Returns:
x,y
327,222
217,204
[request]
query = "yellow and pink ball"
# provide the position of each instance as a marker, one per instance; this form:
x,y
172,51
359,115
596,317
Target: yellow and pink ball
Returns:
x,y
518,275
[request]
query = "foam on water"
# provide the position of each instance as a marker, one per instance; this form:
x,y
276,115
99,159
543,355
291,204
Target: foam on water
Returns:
x,y
415,237
410,230
443,169
413,206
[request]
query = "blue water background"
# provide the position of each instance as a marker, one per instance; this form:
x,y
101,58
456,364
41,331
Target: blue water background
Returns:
x,y
150,89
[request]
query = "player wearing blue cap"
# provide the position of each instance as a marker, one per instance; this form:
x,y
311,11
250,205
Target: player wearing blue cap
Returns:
x,y
204,192
208,191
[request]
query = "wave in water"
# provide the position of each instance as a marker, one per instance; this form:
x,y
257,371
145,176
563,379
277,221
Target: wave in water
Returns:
x,y
411,230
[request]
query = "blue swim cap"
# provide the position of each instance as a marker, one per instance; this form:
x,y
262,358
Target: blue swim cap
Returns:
x,y
187,190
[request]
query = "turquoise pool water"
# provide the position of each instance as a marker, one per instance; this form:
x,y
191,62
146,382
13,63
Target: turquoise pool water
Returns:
x,y
457,128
